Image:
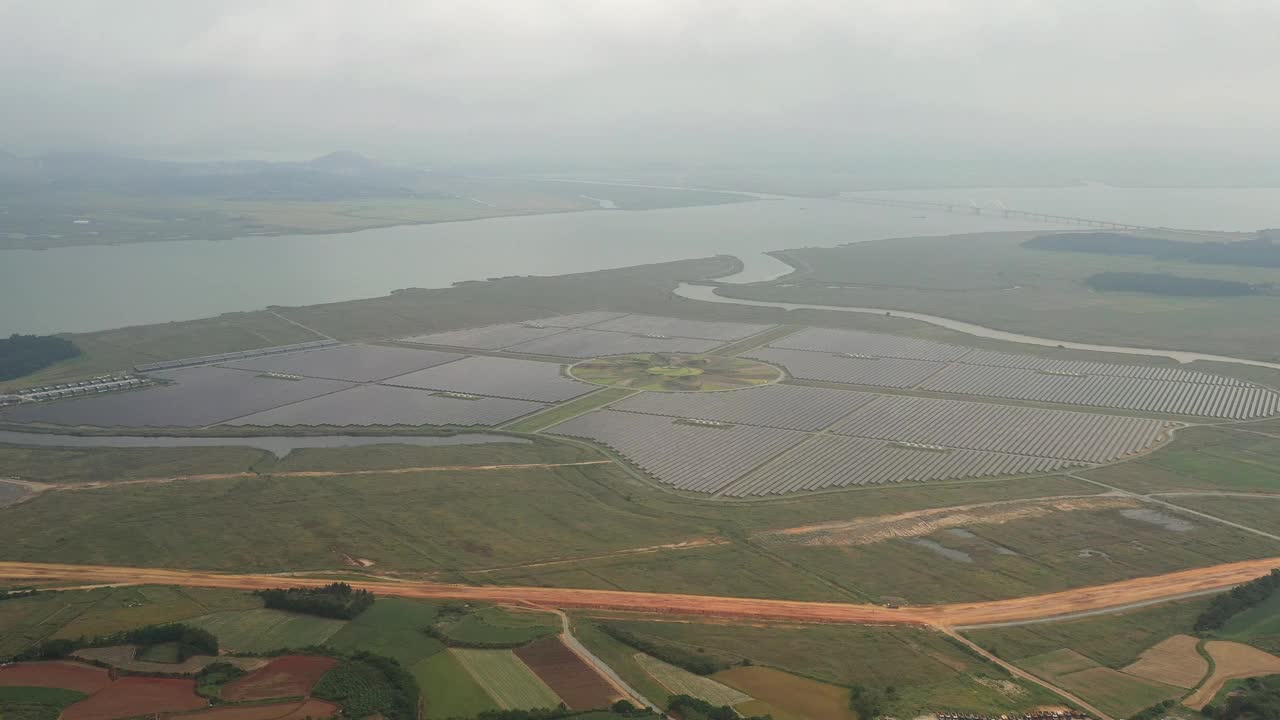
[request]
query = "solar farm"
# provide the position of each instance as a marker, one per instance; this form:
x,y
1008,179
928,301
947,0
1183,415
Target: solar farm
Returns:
x,y
818,409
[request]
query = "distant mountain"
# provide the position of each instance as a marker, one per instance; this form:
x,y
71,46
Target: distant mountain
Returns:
x,y
335,176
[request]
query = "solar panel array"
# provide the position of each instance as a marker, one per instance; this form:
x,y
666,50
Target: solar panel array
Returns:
x,y
1218,401
828,367
207,359
865,343
366,405
580,343
687,457
1079,367
1088,437
791,407
675,327
829,461
860,358
488,337
499,377
356,363
198,396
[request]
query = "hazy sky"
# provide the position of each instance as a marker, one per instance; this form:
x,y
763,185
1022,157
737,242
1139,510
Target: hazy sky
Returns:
x,y
711,78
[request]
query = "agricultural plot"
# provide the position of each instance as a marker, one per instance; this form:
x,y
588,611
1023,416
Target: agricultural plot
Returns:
x,y
1111,690
674,327
263,630
136,696
1087,437
1173,661
788,695
353,363
506,679
285,676
196,397
855,342
392,627
55,674
568,676
679,681
488,337
448,690
1126,393
828,461
1231,661
367,405
686,456
829,367
790,407
587,343
498,377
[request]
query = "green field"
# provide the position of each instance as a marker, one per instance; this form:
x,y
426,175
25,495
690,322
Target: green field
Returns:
x,y
262,630
448,690
989,280
1258,513
58,465
506,679
1107,688
35,703
1258,626
1202,458
1109,640
621,658
678,681
392,627
563,412
498,627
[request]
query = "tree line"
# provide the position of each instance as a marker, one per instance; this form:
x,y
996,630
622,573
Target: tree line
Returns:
x,y
1165,284
190,641
1258,252
697,663
24,354
338,600
1238,599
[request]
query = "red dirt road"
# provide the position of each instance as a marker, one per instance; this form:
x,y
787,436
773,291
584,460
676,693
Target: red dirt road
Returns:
x,y
1101,597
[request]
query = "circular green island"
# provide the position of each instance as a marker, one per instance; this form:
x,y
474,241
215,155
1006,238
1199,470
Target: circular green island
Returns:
x,y
669,372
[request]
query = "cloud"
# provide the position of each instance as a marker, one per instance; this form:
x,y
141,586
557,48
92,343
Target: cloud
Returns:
x,y
486,77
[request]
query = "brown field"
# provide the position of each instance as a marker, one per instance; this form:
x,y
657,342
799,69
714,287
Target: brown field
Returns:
x,y
1231,660
286,676
309,708
57,674
134,696
1100,597
576,682
792,695
1173,661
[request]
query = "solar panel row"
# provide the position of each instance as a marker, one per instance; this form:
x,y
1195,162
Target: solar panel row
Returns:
x,y
367,405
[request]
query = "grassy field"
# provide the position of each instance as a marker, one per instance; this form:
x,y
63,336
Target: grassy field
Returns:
x,y
1258,626
1111,690
678,681
390,457
1109,640
1262,513
392,627
990,280
448,690
36,703
618,656
1201,458
506,679
65,465
262,630
498,626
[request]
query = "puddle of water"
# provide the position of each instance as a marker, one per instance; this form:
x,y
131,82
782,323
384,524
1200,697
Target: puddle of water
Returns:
x,y
943,550
1155,517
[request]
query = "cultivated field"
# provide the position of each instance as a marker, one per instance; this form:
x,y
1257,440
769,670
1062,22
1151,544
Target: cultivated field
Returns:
x,y
135,696
506,679
448,690
790,696
57,674
286,676
1173,661
262,630
1230,661
678,681
568,676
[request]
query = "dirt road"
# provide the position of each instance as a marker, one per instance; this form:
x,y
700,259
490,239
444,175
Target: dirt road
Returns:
x,y
1101,597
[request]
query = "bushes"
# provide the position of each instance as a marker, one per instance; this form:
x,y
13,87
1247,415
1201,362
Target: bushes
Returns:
x,y
1257,699
338,600
210,680
1164,284
367,684
697,663
692,708
1240,598
190,641
871,703
24,354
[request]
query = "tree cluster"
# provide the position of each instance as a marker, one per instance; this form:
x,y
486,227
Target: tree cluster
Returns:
x,y
1238,599
24,354
688,707
697,663
190,641
1257,699
871,703
367,685
338,600
1165,284
1259,252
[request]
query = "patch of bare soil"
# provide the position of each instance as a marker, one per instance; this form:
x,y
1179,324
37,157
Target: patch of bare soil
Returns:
x,y
1231,660
1172,661
917,523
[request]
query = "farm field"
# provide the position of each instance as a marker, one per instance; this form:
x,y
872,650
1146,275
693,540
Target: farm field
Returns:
x,y
36,703
1110,690
771,691
506,679
133,696
1231,661
499,627
448,690
68,465
77,677
284,676
391,627
1259,513
1173,661
262,630
568,676
678,681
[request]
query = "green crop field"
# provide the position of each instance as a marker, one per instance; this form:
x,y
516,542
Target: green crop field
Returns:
x,y
448,690
263,630
392,627
36,703
506,679
1109,640
678,681
621,658
1258,626
499,627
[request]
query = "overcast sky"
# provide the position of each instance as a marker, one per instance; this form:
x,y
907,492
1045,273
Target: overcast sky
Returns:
x,y
711,78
